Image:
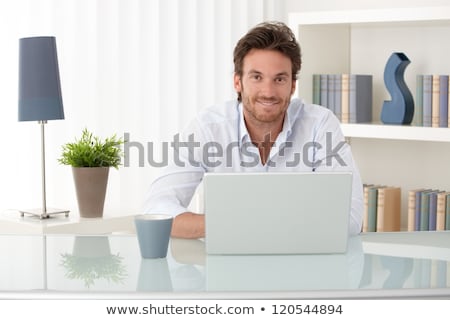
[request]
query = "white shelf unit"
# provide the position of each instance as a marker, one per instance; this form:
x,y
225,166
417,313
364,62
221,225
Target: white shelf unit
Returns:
x,y
360,42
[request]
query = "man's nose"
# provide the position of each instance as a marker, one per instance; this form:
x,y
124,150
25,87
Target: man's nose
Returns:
x,y
267,88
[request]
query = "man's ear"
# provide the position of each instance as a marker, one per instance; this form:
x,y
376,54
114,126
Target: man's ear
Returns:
x,y
237,83
294,85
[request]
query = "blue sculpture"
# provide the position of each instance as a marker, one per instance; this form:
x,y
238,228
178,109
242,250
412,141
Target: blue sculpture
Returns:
x,y
400,110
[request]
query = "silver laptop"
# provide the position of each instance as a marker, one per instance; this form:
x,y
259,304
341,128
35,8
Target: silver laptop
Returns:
x,y
277,213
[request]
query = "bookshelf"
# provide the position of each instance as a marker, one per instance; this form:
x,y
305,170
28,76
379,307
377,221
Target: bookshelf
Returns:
x,y
360,42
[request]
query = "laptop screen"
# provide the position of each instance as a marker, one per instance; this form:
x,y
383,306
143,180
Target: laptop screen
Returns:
x,y
277,213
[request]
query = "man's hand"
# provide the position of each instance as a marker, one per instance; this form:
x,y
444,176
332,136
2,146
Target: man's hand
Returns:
x,y
189,225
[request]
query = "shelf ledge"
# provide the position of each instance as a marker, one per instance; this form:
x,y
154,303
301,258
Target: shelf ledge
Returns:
x,y
395,132
370,16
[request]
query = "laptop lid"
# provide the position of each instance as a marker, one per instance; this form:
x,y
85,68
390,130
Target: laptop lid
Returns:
x,y
277,213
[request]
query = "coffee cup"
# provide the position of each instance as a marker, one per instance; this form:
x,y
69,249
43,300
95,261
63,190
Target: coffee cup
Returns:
x,y
153,234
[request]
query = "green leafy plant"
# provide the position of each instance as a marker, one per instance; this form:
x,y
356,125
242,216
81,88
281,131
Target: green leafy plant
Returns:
x,y
91,151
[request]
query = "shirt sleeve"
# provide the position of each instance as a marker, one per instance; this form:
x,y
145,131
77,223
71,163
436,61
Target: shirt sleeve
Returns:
x,y
173,190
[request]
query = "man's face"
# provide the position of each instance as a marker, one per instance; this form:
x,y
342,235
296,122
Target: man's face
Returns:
x,y
266,86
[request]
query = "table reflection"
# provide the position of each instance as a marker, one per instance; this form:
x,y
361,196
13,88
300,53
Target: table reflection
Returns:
x,y
286,272
91,259
190,258
154,275
112,264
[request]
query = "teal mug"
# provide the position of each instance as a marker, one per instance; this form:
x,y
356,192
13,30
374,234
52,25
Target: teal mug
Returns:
x,y
153,234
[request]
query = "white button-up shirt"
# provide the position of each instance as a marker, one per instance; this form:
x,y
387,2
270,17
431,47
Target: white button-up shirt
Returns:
x,y
218,141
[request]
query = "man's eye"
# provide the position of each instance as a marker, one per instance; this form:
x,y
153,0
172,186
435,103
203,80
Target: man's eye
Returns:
x,y
256,77
280,80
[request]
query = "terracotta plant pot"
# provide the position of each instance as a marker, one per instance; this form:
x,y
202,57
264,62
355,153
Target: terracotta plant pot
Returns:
x,y
90,185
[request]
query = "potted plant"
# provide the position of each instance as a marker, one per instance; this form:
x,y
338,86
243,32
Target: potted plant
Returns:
x,y
91,158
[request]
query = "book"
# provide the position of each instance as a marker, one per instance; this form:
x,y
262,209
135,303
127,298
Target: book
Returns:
x,y
427,98
360,98
316,89
443,101
388,209
425,210
324,90
412,196
372,203
448,113
435,95
418,108
337,95
345,98
440,210
331,91
411,209
366,207
432,213
417,218
447,212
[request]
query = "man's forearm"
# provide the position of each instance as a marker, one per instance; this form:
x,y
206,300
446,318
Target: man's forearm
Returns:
x,y
189,225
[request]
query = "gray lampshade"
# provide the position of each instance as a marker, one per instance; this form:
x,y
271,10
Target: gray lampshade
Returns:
x,y
39,83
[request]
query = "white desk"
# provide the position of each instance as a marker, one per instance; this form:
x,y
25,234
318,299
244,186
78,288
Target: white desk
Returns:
x,y
376,265
13,223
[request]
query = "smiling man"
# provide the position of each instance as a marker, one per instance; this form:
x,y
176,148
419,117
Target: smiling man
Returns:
x,y
263,130
265,85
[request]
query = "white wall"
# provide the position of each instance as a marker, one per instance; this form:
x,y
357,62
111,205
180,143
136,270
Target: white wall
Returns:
x,y
139,66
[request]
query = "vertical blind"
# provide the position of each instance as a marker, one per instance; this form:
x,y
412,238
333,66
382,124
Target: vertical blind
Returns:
x,y
142,68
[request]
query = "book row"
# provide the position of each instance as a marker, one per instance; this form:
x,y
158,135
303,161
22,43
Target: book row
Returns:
x,y
349,96
428,210
381,208
432,99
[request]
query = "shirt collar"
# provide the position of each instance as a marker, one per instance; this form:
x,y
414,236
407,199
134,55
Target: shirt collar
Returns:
x,y
243,132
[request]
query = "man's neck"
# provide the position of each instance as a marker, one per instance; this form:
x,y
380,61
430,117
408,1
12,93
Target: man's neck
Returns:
x,y
263,136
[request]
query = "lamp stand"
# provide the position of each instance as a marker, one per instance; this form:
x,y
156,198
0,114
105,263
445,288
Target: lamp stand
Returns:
x,y
43,212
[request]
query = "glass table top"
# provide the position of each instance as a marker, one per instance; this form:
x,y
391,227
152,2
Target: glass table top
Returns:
x,y
375,265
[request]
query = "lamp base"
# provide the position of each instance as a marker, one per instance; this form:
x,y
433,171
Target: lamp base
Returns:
x,y
44,214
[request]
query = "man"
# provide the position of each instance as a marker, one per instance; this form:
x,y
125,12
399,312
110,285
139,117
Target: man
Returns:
x,y
264,130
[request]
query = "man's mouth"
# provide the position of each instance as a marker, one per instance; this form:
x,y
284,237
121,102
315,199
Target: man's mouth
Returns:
x,y
267,103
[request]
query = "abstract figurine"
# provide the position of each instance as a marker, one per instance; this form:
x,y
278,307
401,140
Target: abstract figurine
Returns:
x,y
400,110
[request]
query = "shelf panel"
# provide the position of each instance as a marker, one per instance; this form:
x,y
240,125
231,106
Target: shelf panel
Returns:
x,y
426,244
394,132
369,16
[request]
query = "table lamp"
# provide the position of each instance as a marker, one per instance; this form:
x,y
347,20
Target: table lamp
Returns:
x,y
40,97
